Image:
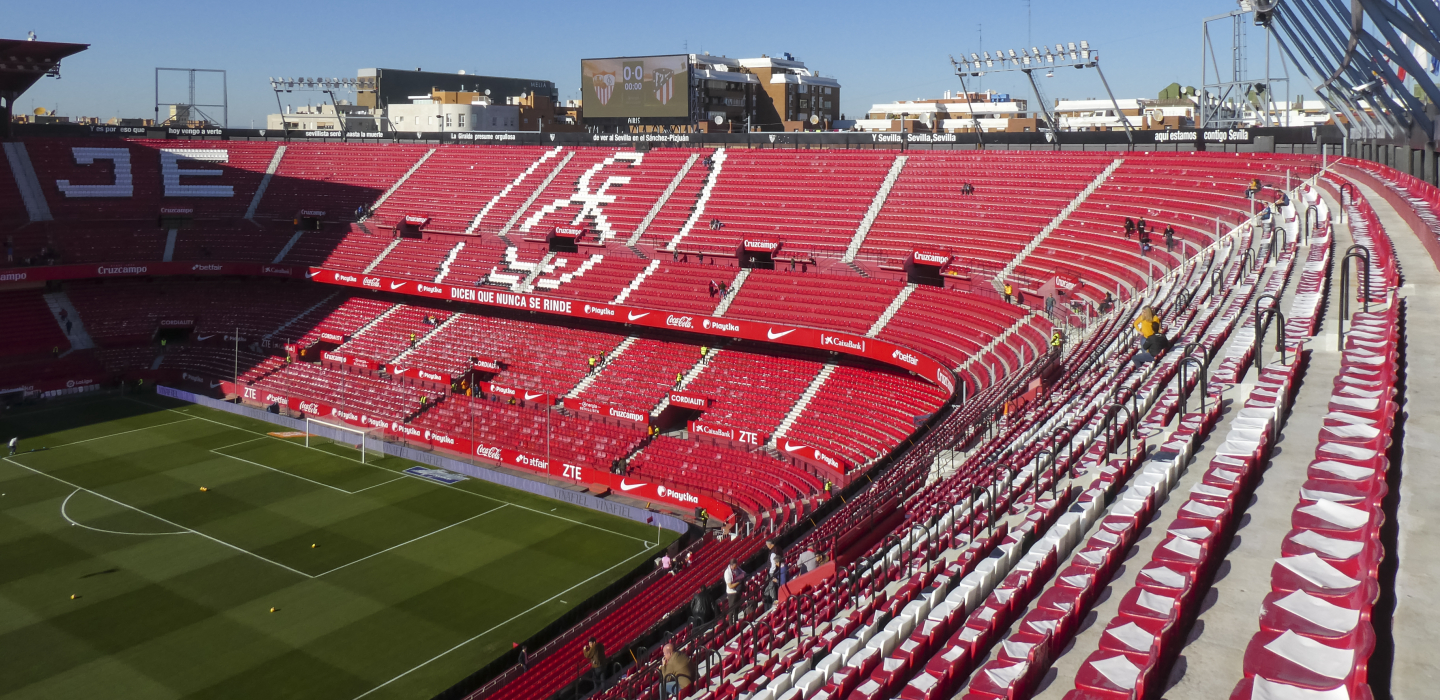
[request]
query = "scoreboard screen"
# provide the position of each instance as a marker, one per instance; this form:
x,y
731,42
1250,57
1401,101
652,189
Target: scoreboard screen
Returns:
x,y
644,86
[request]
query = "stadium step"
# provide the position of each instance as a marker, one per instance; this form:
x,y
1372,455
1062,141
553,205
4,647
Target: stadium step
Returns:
x,y
635,283
690,375
264,185
660,203
288,245
170,236
303,314
699,209
875,204
479,216
449,258
724,304
591,377
1059,219
27,182
79,337
804,400
527,284
398,184
891,310
381,257
534,195
420,342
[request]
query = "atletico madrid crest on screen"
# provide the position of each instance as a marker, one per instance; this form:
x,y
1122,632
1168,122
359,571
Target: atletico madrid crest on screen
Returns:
x,y
664,82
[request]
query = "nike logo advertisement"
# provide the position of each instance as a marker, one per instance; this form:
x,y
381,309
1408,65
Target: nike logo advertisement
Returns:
x,y
531,397
635,317
791,448
309,274
629,487
204,337
212,386
771,334
396,285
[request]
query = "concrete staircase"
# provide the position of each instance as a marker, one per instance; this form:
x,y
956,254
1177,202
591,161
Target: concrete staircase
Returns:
x,y
635,283
509,225
690,376
376,262
528,284
875,204
419,342
799,407
450,258
719,159
79,337
664,197
264,185
1060,218
27,182
300,315
288,245
398,184
513,184
891,310
735,286
590,378
170,237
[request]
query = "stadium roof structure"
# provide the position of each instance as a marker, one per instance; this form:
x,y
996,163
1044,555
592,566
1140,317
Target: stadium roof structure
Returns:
x,y
22,64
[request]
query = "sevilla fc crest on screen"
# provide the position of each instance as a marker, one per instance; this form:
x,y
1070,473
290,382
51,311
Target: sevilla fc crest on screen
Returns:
x,y
604,87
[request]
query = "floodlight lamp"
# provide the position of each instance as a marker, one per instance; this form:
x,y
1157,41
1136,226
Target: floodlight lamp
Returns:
x,y
1072,47
1084,45
987,55
974,58
1012,54
1059,50
1034,51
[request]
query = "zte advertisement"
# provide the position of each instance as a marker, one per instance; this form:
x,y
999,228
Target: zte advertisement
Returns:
x,y
648,86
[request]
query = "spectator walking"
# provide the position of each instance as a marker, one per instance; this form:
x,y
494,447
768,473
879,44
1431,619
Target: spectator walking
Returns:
x,y
675,670
1169,238
1049,306
592,364
594,652
679,377
1009,292
733,576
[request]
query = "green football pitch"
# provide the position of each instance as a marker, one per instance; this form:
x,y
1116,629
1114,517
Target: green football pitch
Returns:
x,y
144,543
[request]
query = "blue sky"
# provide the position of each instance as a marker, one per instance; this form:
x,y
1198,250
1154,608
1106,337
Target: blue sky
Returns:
x,y
878,51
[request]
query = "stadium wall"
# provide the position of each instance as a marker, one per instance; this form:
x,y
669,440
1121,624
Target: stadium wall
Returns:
x,y
601,505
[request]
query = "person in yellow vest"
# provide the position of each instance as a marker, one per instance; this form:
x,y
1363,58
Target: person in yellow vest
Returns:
x,y
1057,341
1009,292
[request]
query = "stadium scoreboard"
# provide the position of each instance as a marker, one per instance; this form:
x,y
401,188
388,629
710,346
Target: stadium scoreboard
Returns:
x,y
636,89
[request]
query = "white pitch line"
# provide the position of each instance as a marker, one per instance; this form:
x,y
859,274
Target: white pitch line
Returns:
x,y
403,474
163,520
123,432
496,627
398,478
282,471
402,544
70,520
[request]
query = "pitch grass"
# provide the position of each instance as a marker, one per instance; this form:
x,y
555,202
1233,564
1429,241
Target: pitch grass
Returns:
x,y
411,586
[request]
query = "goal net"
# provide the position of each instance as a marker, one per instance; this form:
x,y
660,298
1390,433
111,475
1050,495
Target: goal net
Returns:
x,y
345,440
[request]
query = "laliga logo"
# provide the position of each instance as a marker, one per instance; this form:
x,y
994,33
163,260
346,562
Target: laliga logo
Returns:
x,y
681,496
599,310
371,282
905,357
206,268
679,321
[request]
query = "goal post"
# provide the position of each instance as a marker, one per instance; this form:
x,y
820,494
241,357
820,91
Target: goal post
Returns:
x,y
318,433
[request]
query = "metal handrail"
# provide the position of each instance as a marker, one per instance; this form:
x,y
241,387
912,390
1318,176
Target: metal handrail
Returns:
x,y
1262,325
1363,254
1185,364
1312,209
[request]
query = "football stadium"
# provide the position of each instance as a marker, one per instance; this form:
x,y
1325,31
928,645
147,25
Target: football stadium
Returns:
x,y
692,387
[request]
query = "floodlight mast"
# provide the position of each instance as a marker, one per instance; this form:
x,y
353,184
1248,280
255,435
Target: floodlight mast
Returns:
x,y
979,133
1082,57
